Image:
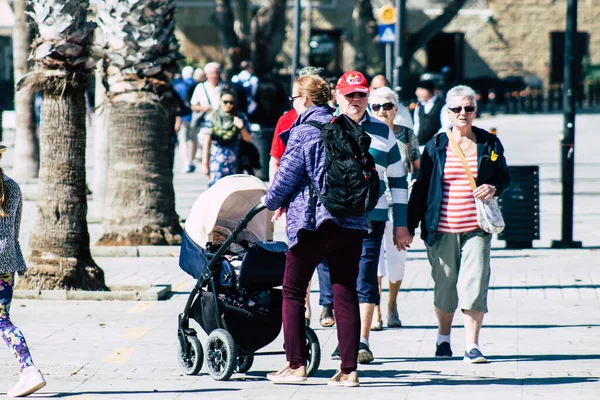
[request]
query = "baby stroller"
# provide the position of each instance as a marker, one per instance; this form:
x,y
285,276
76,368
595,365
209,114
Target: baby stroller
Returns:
x,y
227,248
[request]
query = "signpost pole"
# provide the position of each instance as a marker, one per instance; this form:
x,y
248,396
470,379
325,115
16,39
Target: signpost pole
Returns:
x,y
399,46
568,138
388,62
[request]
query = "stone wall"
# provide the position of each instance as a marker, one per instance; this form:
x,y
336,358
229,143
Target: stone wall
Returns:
x,y
515,38
511,38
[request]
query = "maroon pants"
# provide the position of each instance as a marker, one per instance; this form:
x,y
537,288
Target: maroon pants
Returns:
x,y
342,248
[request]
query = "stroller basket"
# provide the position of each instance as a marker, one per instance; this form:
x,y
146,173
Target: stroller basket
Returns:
x,y
250,330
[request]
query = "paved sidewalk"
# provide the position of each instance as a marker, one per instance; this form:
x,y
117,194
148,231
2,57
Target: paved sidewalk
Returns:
x,y
541,337
541,333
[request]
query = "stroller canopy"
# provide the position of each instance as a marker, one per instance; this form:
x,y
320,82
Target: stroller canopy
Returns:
x,y
225,204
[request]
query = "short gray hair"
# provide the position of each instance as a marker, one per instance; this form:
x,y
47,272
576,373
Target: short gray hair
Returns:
x,y
212,65
386,93
461,91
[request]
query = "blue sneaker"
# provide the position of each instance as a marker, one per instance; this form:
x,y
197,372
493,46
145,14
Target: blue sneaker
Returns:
x,y
443,350
474,357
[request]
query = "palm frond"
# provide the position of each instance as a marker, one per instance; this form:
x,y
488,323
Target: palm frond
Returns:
x,y
139,43
62,46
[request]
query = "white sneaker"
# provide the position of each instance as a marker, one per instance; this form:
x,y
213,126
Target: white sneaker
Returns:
x,y
31,380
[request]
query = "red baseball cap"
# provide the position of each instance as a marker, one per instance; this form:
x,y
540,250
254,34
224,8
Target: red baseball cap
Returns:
x,y
352,81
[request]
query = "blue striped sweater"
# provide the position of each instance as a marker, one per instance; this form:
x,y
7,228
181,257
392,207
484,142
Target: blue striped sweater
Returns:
x,y
385,151
305,156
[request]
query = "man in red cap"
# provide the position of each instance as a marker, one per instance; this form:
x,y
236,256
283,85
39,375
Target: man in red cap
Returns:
x,y
352,92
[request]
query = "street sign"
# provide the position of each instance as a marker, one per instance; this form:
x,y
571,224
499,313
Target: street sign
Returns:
x,y
387,15
387,33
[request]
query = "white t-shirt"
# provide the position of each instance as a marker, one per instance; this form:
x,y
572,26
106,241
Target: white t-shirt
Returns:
x,y
199,97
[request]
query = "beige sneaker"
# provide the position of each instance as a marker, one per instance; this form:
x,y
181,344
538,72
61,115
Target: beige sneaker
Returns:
x,y
344,380
288,375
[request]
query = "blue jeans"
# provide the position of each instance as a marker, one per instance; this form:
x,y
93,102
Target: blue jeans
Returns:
x,y
366,284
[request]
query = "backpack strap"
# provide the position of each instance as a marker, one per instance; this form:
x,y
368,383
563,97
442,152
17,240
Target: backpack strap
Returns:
x,y
311,186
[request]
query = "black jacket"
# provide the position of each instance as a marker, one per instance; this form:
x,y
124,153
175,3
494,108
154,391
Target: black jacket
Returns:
x,y
426,197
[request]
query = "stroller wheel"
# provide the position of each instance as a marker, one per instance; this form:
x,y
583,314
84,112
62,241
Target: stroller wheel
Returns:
x,y
313,348
191,363
244,363
221,355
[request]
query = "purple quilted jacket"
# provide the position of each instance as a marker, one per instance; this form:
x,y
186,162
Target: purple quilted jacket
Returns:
x,y
305,156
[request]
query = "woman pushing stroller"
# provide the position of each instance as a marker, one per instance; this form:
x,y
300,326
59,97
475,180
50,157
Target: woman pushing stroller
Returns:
x,y
314,234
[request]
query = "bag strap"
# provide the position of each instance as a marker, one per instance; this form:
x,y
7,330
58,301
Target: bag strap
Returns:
x,y
206,94
410,164
458,151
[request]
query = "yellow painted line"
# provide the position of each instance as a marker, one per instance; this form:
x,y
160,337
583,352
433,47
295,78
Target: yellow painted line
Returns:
x,y
141,307
183,286
136,333
120,355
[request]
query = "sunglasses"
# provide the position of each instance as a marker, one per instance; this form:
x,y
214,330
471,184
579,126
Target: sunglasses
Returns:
x,y
354,94
457,110
385,106
292,98
228,102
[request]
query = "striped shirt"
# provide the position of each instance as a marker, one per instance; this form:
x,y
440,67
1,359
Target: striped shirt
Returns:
x,y
458,212
384,149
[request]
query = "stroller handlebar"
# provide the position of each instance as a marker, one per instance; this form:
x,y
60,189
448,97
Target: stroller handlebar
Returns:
x,y
242,224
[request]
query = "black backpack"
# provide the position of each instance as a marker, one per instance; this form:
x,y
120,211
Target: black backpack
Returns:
x,y
351,180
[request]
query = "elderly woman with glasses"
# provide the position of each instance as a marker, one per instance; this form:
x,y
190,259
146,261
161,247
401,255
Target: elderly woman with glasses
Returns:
x,y
384,105
443,203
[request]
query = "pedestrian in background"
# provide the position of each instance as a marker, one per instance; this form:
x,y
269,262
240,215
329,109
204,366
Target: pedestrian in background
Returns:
x,y
206,99
430,115
403,116
314,234
384,105
221,148
11,263
443,202
187,139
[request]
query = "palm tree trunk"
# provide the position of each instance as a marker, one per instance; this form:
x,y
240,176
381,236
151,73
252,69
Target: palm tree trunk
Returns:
x,y
27,150
60,245
140,200
100,148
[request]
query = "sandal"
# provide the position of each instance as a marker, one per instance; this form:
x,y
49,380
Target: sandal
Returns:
x,y
327,319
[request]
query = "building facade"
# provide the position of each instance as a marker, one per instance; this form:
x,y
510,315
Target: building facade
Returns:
x,y
492,39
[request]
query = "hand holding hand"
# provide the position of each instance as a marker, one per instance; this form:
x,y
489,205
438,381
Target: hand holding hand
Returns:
x,y
411,184
484,191
402,238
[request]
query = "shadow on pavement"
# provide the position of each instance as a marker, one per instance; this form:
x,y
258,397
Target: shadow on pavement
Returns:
x,y
136,392
492,359
485,326
536,287
436,378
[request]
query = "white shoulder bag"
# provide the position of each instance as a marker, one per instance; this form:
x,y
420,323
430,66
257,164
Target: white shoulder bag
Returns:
x,y
489,216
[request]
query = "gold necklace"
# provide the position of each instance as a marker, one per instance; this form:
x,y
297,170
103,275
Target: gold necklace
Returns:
x,y
464,149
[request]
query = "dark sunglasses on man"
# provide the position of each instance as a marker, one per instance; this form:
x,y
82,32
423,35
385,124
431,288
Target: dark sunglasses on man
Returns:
x,y
354,94
385,106
457,110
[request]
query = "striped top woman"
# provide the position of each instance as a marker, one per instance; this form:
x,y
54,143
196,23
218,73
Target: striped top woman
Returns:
x,y
443,203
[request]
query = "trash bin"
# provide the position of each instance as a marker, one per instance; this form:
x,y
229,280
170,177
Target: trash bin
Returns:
x,y
262,138
520,207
